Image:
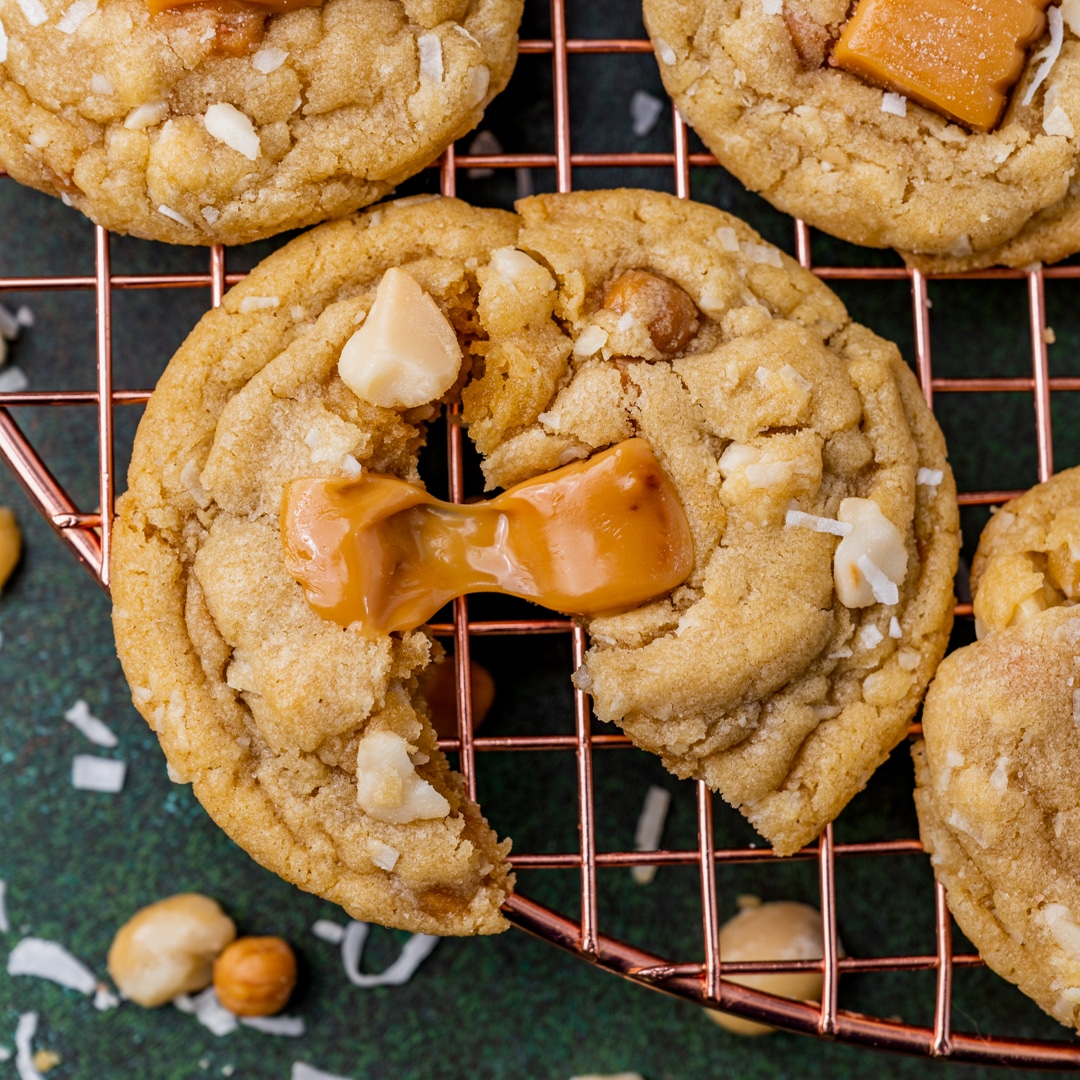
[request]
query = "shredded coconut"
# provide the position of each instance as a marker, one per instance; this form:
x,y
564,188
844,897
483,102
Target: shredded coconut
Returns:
x,y
34,11
13,380
48,960
76,15
415,952
292,1027
772,7
206,1008
302,1071
590,340
1057,122
999,778
895,104
5,926
268,60
258,303
383,855
146,115
645,110
664,51
105,999
799,519
174,215
351,467
884,590
650,827
431,57
101,84
869,636
229,125
894,628
98,733
1049,55
763,253
24,1049
929,477
328,931
3,44
89,773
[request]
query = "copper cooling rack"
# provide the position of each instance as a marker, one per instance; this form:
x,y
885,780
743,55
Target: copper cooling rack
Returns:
x,y
88,536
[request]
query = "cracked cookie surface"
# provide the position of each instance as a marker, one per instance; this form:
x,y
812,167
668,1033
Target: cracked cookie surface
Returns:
x,y
219,123
998,771
816,142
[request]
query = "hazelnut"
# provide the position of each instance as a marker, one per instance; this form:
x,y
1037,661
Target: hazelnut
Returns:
x,y
665,310
168,948
10,543
439,687
254,976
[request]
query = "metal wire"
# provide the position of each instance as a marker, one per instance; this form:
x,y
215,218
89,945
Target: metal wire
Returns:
x,y
700,982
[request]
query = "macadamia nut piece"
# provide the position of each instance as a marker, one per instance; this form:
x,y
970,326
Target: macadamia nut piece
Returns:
x,y
782,930
168,948
10,544
871,561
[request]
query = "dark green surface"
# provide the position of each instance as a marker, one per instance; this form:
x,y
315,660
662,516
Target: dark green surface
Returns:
x,y
78,864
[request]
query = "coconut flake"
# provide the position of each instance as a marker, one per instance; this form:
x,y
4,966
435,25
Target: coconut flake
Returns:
x,y
383,855
105,999
729,239
999,778
89,773
5,926
24,316
13,380
98,733
929,477
645,110
206,1008
415,952
3,44
798,519
351,467
650,827
302,1071
101,84
173,215
9,325
431,57
24,1050
258,303
894,628
48,960
146,115
883,588
1058,123
664,51
895,104
292,1027
763,253
772,7
328,931
76,15
34,11
229,125
268,60
869,636
1049,55
590,341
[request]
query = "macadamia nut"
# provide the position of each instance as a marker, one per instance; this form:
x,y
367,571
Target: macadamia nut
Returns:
x,y
168,948
10,544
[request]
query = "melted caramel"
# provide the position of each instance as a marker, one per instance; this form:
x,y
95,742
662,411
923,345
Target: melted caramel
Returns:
x,y
958,57
266,6
596,536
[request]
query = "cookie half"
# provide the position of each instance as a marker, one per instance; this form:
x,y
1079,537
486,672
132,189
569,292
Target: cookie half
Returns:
x,y
998,770
769,411
257,701
754,80
224,122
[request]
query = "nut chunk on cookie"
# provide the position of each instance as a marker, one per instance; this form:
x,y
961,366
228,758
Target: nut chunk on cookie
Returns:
x,y
998,769
772,671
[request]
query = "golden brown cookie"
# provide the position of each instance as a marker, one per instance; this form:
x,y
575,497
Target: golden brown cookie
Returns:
x,y
223,122
768,408
998,770
755,81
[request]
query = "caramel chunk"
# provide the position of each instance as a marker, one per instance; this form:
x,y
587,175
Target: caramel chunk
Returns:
x,y
958,57
596,536
669,315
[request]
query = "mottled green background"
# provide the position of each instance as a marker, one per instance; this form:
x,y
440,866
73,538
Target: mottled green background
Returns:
x,y
77,864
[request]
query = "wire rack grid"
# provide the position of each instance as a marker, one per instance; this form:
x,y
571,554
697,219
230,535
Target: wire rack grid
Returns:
x,y
89,537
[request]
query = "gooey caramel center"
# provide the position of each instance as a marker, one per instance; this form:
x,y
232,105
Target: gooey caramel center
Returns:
x,y
958,57
596,536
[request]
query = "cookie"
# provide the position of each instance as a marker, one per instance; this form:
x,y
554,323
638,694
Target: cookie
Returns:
x,y
769,409
998,771
223,122
869,165
268,710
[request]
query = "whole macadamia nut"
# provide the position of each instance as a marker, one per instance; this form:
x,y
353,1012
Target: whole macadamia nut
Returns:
x,y
168,948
